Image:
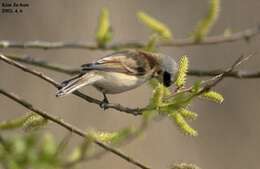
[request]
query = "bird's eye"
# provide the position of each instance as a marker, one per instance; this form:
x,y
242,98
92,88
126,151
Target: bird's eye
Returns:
x,y
167,79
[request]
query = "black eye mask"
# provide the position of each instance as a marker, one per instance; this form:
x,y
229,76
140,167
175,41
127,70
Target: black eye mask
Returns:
x,y
167,79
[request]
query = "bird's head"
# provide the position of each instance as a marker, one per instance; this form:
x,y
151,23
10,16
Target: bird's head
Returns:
x,y
168,70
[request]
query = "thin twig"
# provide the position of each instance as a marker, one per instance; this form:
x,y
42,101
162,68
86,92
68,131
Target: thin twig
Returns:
x,y
215,80
243,35
43,64
118,107
210,83
70,127
238,74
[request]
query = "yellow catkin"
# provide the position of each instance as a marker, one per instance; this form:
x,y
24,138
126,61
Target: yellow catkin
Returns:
x,y
113,137
183,125
205,25
158,95
14,123
35,121
155,25
104,136
182,72
103,34
213,96
187,114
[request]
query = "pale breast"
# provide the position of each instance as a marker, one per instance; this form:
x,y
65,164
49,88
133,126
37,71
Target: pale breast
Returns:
x,y
113,82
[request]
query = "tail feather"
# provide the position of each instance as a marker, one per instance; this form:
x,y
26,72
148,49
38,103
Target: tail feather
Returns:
x,y
77,82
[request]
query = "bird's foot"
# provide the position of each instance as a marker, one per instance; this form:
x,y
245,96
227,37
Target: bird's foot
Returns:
x,y
104,104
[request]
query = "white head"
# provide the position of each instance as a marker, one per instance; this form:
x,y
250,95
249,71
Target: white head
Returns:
x,y
169,69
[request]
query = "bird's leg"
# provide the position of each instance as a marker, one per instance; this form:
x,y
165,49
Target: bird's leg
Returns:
x,y
104,102
105,98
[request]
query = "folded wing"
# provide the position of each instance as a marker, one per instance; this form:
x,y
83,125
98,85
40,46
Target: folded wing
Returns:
x,y
77,82
129,62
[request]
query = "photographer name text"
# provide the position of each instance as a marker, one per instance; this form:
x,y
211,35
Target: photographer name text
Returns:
x,y
14,7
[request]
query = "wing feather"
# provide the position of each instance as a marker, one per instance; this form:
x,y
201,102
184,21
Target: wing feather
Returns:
x,y
129,62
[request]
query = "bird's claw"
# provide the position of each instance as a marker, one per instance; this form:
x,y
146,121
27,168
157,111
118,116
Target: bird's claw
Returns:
x,y
104,104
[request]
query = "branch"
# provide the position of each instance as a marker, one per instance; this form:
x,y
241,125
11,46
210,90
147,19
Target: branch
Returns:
x,y
208,84
70,127
247,35
239,74
243,35
215,80
118,107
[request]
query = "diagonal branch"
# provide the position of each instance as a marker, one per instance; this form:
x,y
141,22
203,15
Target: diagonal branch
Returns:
x,y
239,74
215,80
243,35
210,83
135,111
70,127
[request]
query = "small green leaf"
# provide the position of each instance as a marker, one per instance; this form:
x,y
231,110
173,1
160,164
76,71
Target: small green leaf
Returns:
x,y
155,25
196,86
182,71
104,32
158,94
148,115
213,96
177,101
205,25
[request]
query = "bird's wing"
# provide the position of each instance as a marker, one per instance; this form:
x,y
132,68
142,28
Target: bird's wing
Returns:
x,y
76,82
129,62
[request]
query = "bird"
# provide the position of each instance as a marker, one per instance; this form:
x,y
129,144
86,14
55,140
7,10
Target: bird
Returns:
x,y
122,71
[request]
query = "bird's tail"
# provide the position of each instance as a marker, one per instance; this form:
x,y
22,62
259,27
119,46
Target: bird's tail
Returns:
x,y
70,85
